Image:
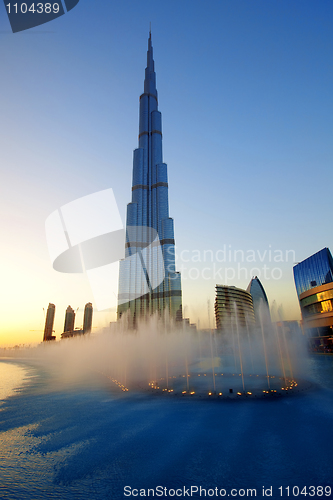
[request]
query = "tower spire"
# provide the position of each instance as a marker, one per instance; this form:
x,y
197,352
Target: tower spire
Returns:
x,y
150,76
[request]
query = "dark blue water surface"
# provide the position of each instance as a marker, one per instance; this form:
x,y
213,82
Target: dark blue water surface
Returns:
x,y
89,443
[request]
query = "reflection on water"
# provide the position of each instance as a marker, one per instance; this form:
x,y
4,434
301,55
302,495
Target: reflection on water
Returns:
x,y
12,377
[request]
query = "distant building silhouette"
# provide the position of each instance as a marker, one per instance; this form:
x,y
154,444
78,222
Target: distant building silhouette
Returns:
x,y
289,328
87,318
314,284
49,321
260,302
233,307
69,320
69,330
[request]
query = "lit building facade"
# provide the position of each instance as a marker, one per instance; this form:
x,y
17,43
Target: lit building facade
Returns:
x,y
260,302
233,307
87,318
49,321
148,281
314,284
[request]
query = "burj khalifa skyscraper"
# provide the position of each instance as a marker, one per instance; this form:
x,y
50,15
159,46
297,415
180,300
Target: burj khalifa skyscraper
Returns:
x,y
148,281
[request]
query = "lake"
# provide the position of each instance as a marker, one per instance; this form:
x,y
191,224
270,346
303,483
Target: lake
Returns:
x,y
91,442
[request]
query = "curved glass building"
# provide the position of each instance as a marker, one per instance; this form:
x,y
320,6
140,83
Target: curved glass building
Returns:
x,y
233,306
260,301
148,281
314,284
314,271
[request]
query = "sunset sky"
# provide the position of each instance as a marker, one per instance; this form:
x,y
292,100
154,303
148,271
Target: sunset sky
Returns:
x,y
245,91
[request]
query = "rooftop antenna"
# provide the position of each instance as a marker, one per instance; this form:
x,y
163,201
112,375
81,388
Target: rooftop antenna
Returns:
x,y
150,29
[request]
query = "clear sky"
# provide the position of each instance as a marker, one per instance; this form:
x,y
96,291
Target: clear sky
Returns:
x,y
245,91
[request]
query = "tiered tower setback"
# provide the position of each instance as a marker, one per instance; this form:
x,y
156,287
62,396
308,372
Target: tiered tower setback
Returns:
x,y
148,281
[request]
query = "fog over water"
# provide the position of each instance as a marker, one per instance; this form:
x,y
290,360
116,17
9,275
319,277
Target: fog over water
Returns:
x,y
72,432
159,350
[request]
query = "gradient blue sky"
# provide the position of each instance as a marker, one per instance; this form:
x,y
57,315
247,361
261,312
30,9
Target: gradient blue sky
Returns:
x,y
245,91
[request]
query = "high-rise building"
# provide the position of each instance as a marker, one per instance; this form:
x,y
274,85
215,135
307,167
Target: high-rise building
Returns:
x,y
314,271
69,320
233,307
314,284
260,302
87,318
148,281
49,321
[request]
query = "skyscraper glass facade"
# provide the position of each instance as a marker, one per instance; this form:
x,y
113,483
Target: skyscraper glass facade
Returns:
x,y
49,321
260,302
314,285
314,271
87,318
148,281
69,320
